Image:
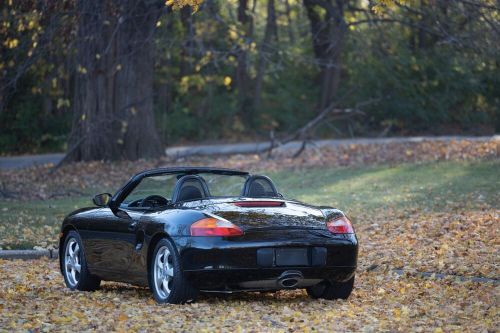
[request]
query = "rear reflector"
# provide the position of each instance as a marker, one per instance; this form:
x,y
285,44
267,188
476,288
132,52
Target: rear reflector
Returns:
x,y
340,225
211,226
259,203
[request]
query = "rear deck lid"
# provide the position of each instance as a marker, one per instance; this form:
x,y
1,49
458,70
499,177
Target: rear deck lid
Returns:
x,y
251,214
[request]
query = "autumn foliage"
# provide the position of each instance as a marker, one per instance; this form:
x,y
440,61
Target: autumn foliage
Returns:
x,y
240,70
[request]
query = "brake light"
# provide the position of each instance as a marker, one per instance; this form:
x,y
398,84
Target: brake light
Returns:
x,y
212,226
259,203
340,225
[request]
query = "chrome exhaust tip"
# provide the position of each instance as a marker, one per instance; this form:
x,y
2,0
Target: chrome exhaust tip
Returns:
x,y
288,283
290,279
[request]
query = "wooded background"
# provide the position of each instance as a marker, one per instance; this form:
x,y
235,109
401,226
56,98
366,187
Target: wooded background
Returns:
x,y
105,79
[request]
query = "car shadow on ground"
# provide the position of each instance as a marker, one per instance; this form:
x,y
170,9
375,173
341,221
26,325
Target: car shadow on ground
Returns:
x,y
292,296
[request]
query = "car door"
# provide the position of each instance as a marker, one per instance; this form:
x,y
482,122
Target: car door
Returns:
x,y
110,242
115,239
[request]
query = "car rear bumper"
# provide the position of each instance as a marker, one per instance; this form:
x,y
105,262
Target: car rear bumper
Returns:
x,y
225,264
222,280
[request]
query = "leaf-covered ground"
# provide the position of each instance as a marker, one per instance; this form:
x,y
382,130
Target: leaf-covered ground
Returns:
x,y
438,217
33,298
459,242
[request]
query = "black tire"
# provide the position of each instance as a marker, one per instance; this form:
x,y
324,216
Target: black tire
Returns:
x,y
83,281
181,290
331,289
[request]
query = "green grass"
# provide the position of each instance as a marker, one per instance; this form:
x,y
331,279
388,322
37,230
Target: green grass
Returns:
x,y
358,191
432,186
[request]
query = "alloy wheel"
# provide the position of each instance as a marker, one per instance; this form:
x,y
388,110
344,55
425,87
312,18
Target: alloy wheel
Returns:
x,y
72,264
163,272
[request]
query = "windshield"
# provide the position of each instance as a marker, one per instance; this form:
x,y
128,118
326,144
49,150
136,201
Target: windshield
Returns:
x,y
164,185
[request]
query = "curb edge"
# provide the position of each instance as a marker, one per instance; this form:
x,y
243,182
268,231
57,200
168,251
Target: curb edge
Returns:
x,y
29,254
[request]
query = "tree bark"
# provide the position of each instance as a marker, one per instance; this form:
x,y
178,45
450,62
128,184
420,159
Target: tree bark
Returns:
x,y
288,11
328,34
270,35
187,20
113,100
242,77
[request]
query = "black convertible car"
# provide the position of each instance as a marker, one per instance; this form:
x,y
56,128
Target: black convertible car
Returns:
x,y
187,230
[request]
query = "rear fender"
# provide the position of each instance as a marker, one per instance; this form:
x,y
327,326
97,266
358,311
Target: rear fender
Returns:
x,y
173,222
332,213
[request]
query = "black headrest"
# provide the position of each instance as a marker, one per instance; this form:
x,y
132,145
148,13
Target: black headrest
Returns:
x,y
259,186
189,193
190,187
256,190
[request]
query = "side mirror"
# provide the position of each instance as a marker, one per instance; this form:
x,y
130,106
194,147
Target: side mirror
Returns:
x,y
102,200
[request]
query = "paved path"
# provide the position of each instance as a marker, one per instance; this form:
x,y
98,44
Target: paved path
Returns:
x,y
256,147
23,161
17,162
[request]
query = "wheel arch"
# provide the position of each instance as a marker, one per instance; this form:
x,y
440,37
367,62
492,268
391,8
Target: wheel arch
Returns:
x,y
152,245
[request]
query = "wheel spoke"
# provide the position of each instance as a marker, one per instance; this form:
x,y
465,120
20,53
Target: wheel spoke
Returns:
x,y
170,271
69,266
159,277
165,286
159,287
77,267
158,261
166,255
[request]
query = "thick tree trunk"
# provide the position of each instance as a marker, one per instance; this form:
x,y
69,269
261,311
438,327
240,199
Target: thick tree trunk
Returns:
x,y
328,34
113,104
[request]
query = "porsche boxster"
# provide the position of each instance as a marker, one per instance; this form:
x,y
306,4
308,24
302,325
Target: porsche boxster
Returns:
x,y
185,230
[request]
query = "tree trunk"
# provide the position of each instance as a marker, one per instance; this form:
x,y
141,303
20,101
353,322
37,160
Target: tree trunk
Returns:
x,y
187,20
270,34
113,101
328,34
242,77
288,11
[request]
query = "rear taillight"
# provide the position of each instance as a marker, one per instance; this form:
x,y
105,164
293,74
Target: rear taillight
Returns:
x,y
340,225
212,226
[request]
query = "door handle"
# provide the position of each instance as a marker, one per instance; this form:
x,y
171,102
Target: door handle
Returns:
x,y
132,226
